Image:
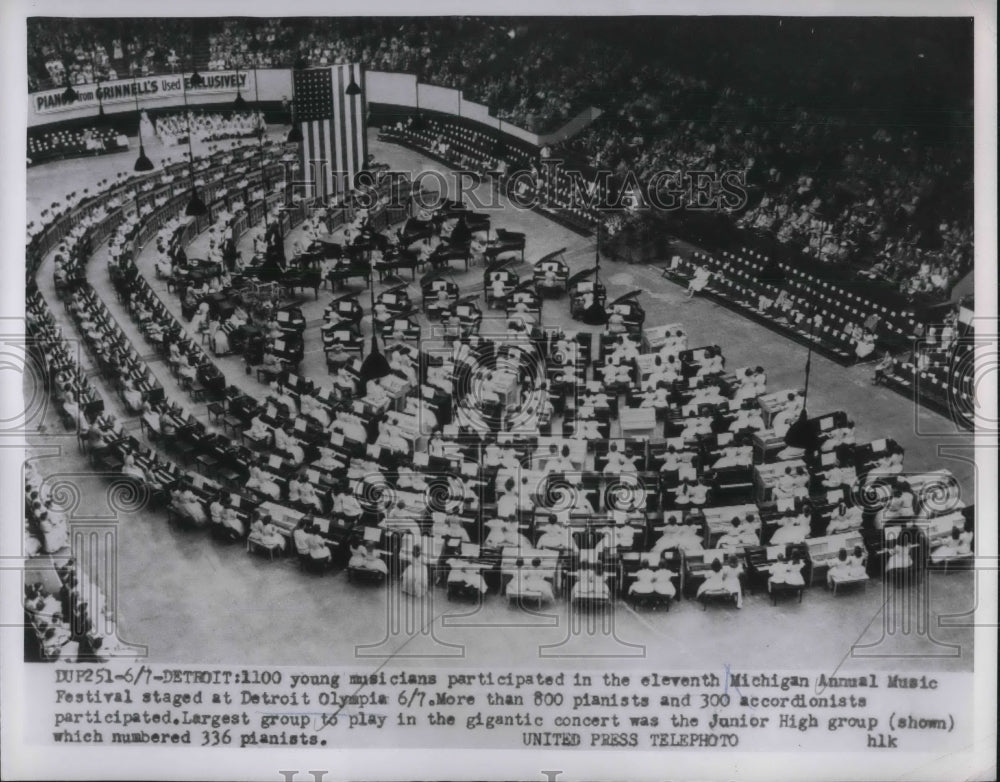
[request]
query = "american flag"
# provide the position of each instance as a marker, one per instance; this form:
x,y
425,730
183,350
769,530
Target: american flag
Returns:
x,y
333,128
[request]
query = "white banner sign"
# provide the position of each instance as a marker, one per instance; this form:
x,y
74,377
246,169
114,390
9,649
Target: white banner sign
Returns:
x,y
163,87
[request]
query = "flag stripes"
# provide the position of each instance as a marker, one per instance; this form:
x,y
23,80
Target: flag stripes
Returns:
x,y
334,142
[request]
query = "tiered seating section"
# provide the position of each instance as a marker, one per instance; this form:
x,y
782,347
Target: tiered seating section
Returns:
x,y
839,318
44,146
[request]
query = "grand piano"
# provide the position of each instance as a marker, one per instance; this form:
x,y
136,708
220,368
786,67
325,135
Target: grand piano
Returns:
x,y
551,274
465,314
395,259
630,309
438,293
344,308
415,230
495,272
449,251
505,242
523,300
581,289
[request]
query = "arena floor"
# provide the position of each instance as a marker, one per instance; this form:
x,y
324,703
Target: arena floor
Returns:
x,y
192,600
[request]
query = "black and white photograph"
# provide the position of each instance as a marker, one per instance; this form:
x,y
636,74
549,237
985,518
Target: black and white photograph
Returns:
x,y
613,385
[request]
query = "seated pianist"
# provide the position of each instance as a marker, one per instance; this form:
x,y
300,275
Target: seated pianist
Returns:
x,y
188,367
792,529
595,399
351,427
346,505
703,395
664,372
391,437
400,519
301,491
615,372
504,532
890,463
186,503
590,586
366,558
786,572
616,323
555,535
752,383
788,486
785,417
740,536
280,396
696,425
748,418
844,519
450,528
684,537
841,436
620,536
287,443
271,363
345,383
847,568
713,363
262,482
654,582
587,426
465,578
259,431
530,582
316,548
836,477
314,409
618,462
102,433
263,533
401,362
958,545
723,579
625,349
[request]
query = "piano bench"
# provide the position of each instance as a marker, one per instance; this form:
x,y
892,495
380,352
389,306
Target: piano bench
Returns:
x,y
266,375
835,585
197,392
721,596
777,590
184,451
216,410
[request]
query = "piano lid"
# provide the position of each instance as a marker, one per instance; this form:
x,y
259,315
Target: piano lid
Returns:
x,y
430,277
631,296
555,255
526,285
500,265
580,275
394,289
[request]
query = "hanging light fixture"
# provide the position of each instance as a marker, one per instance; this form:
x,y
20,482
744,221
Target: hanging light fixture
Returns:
x,y
69,95
295,134
498,145
418,120
240,102
195,206
142,163
801,434
352,88
595,314
375,366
